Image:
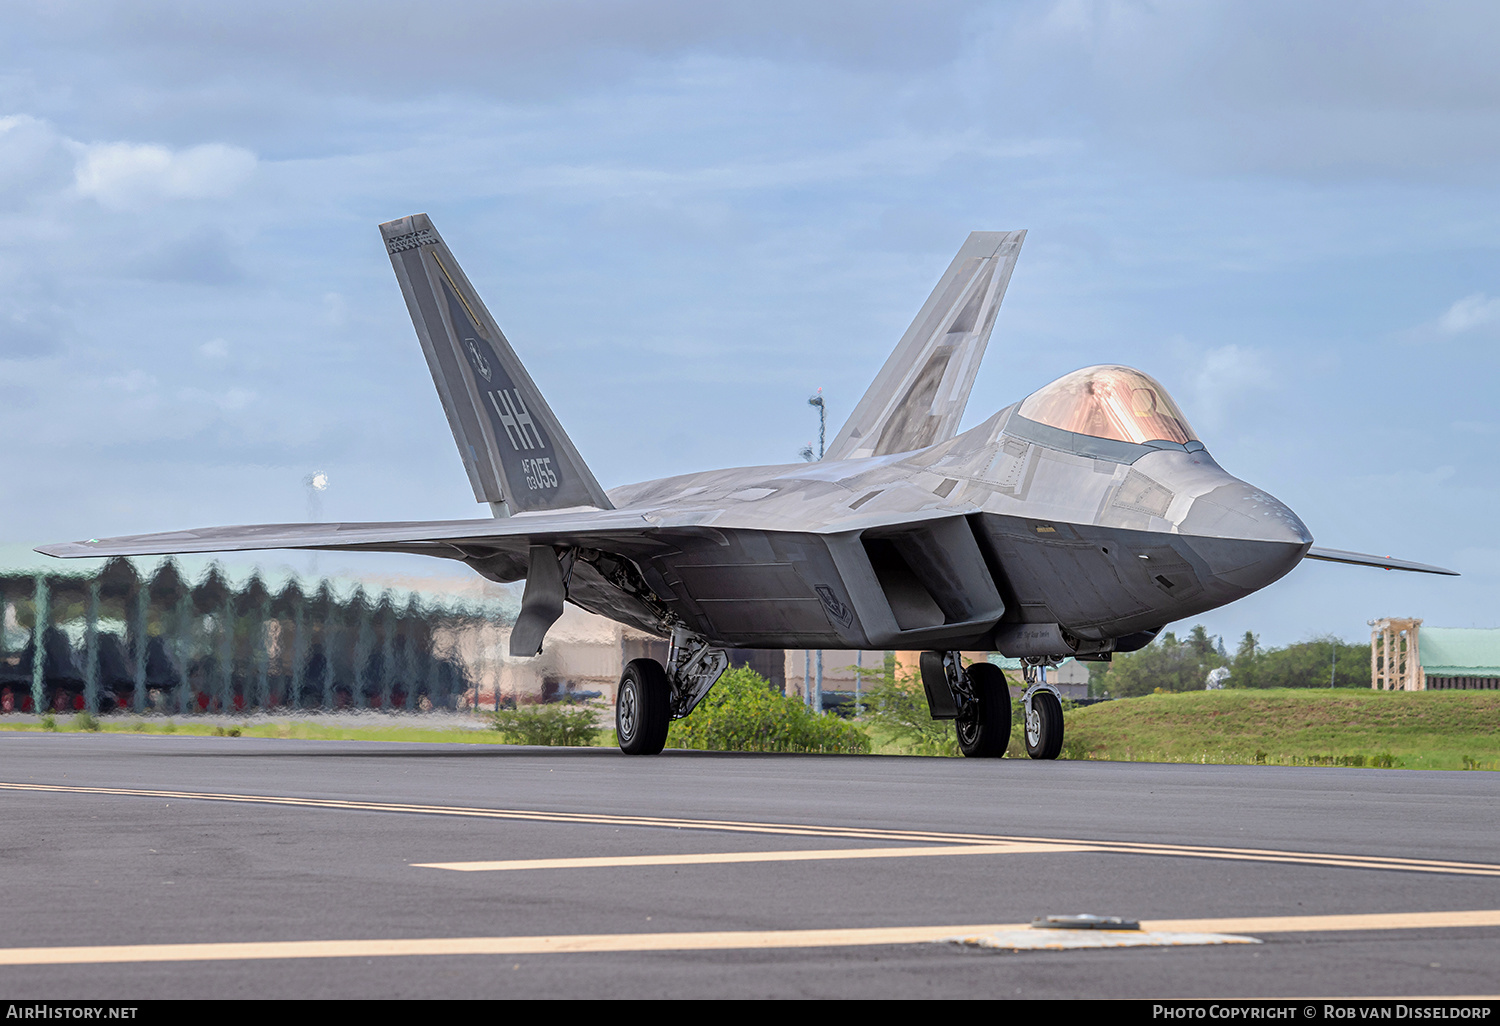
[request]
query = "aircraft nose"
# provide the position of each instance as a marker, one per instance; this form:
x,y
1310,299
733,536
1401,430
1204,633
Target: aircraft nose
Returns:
x,y
1241,511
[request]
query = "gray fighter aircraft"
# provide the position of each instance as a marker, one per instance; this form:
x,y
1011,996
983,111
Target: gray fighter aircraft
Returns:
x,y
1077,522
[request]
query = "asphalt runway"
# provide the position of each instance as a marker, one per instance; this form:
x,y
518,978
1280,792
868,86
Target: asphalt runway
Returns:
x,y
140,867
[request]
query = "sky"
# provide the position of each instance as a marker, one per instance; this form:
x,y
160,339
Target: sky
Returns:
x,y
687,217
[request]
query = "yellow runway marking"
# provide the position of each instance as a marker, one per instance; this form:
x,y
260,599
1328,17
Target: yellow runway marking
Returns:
x,y
715,858
1331,924
798,830
705,941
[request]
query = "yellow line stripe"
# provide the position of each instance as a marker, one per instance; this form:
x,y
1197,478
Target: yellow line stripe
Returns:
x,y
705,941
598,819
796,830
1331,924
717,858
1007,848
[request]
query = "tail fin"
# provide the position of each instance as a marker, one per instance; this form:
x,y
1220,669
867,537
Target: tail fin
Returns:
x,y
919,396
517,454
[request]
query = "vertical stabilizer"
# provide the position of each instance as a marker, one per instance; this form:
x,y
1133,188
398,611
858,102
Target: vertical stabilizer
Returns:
x,y
919,396
517,454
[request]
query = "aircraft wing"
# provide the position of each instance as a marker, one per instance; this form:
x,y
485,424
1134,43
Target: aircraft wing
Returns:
x,y
919,396
1384,562
458,539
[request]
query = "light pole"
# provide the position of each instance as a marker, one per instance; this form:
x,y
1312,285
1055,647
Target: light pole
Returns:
x,y
815,695
317,484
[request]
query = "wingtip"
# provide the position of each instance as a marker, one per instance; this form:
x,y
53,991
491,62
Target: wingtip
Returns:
x,y
1379,562
64,550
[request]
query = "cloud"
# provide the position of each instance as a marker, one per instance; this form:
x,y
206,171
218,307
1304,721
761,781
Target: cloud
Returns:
x,y
125,176
34,158
204,257
227,401
134,381
1469,313
1312,90
32,322
1222,378
489,45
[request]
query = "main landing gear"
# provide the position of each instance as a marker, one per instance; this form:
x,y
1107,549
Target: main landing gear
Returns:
x,y
651,696
977,699
643,708
983,721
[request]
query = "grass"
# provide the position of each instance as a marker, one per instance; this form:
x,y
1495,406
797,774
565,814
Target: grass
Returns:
x,y
307,730
1448,730
1344,727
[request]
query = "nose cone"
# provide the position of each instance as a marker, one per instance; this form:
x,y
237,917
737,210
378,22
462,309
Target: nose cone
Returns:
x,y
1247,537
1241,512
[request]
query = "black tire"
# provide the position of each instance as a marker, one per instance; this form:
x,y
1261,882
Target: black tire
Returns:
x,y
1044,737
643,708
984,727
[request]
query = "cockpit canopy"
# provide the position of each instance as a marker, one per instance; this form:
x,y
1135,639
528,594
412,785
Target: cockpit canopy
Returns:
x,y
1109,402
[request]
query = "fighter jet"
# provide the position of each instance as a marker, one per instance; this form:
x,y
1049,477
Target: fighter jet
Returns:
x,y
1076,522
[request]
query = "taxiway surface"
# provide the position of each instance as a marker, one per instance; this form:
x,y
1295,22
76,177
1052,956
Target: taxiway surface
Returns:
x,y
148,867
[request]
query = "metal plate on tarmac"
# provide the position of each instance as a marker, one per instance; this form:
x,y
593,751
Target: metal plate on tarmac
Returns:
x,y
1083,922
1034,939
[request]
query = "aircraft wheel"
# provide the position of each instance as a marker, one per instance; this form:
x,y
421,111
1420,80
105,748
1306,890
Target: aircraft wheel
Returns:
x,y
643,708
1044,726
984,726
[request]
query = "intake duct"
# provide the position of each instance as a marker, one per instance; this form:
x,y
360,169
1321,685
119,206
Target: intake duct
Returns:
x,y
933,574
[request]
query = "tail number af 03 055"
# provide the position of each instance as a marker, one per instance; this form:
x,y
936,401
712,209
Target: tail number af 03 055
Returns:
x,y
539,474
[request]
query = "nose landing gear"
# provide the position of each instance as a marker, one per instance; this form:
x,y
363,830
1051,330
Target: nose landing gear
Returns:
x,y
1043,713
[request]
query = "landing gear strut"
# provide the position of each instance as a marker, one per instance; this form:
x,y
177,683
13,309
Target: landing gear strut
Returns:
x,y
1043,711
651,696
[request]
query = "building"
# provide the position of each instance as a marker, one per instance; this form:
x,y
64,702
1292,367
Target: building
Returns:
x,y
1070,677
1406,656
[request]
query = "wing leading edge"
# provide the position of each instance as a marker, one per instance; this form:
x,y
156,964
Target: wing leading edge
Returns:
x,y
456,538
1384,562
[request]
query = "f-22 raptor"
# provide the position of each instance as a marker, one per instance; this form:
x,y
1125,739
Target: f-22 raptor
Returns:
x,y
1076,522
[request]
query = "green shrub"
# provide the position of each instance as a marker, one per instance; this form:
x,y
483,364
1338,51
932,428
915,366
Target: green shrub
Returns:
x,y
49,722
899,706
546,725
743,714
85,721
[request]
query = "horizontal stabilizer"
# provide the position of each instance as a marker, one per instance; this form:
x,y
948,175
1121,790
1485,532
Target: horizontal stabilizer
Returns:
x,y
1384,562
518,456
920,394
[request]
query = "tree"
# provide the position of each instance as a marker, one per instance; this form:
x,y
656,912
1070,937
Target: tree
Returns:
x,y
1172,665
1166,664
1317,663
1242,670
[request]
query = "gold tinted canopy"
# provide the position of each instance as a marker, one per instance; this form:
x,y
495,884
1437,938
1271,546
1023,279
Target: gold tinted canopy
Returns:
x,y
1109,402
